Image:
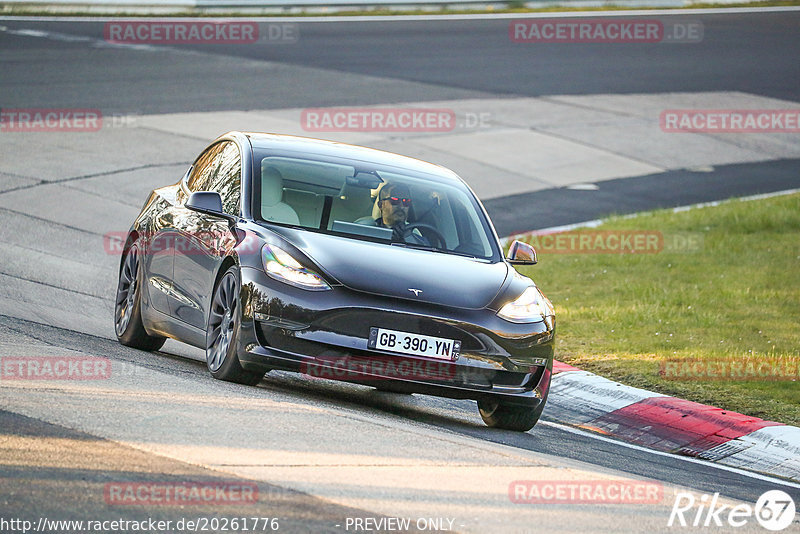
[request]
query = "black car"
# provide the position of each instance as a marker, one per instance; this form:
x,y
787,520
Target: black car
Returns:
x,y
338,261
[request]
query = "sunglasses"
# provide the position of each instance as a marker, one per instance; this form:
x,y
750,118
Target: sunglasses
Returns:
x,y
394,201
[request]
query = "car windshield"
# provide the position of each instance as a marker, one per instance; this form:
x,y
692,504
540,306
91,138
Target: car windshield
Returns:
x,y
364,201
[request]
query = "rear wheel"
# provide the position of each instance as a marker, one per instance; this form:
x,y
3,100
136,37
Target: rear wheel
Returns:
x,y
508,416
222,330
128,311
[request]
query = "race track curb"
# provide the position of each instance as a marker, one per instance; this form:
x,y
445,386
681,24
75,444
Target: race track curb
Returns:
x,y
670,424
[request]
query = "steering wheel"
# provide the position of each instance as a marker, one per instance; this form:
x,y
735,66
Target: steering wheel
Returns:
x,y
435,233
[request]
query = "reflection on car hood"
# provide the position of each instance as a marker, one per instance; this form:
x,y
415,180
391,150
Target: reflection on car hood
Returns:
x,y
393,271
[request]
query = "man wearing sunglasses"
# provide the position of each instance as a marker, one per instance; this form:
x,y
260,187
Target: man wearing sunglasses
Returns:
x,y
394,202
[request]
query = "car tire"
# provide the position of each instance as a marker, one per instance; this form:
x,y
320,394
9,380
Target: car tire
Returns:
x,y
128,307
507,416
222,331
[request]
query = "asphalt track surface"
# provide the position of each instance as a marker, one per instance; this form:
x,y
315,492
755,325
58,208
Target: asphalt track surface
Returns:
x,y
402,61
440,59
358,63
456,417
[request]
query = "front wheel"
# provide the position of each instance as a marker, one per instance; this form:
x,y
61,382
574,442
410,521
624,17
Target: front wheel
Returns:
x,y
128,308
222,330
508,416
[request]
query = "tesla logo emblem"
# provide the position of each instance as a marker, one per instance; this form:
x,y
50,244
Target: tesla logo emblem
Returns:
x,y
416,292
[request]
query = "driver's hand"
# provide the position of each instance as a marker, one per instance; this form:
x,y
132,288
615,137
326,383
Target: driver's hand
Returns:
x,y
398,232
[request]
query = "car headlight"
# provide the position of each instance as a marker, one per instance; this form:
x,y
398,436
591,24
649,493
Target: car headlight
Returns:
x,y
530,307
281,266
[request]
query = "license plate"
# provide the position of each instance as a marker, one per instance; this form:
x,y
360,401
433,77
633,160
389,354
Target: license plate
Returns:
x,y
414,344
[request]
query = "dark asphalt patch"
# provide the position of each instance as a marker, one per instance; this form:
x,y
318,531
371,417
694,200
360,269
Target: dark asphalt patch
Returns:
x,y
556,207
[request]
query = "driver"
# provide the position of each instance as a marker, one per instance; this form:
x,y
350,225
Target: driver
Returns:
x,y
394,202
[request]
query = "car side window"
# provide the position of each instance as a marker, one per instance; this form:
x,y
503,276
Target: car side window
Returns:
x,y
204,167
219,169
228,178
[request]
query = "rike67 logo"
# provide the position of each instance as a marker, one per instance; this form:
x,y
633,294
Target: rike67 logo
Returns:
x,y
774,510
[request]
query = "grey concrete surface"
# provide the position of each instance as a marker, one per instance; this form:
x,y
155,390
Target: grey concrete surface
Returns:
x,y
564,206
530,144
545,144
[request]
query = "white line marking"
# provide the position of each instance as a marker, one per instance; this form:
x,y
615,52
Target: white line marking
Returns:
x,y
98,43
480,16
760,196
689,459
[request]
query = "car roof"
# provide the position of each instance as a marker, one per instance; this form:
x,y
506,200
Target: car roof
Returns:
x,y
280,143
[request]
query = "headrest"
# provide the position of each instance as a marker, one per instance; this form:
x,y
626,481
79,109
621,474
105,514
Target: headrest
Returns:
x,y
271,186
376,210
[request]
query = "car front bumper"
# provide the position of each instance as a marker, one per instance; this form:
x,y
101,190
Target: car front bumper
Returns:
x,y
324,334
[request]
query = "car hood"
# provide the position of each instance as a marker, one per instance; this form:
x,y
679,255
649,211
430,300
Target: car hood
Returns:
x,y
393,271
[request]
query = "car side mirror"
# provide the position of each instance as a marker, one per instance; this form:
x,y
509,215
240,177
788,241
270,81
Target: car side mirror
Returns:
x,y
208,202
520,253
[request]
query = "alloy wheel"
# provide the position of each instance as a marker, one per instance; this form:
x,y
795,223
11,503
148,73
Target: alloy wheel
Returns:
x,y
221,322
126,291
